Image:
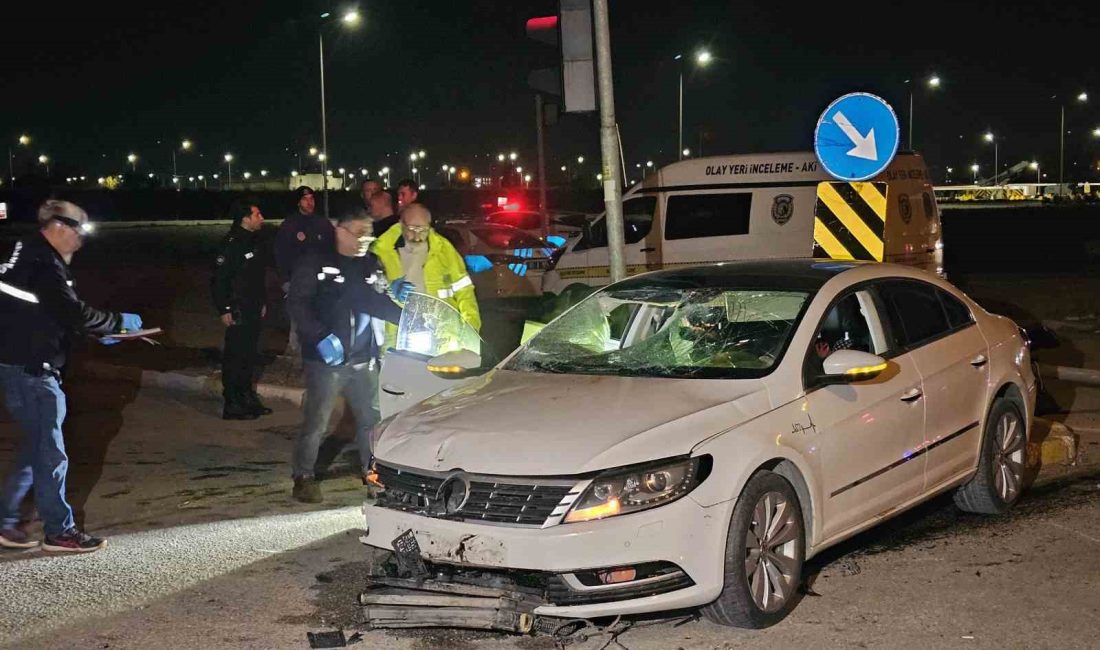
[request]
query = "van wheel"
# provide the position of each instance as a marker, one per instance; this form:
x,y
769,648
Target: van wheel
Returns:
x,y
764,552
999,481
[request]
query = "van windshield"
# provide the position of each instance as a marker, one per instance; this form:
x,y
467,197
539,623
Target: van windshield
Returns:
x,y
661,331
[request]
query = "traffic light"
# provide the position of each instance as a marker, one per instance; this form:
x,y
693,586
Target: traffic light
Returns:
x,y
570,32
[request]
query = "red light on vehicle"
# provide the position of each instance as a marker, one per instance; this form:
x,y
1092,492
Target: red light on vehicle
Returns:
x,y
540,23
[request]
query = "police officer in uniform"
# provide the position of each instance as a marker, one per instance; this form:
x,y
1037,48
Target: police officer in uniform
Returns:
x,y
39,314
238,291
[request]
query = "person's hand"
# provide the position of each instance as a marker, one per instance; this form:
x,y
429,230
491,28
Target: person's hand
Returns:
x,y
227,319
109,341
822,349
331,350
401,288
131,322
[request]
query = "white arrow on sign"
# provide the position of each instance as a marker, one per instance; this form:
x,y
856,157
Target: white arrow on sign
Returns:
x,y
864,145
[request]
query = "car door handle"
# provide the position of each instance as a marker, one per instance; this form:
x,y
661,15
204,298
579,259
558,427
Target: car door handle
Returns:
x,y
911,395
390,390
648,249
979,361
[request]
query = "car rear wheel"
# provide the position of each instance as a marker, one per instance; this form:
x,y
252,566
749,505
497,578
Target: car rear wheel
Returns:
x,y
999,481
764,552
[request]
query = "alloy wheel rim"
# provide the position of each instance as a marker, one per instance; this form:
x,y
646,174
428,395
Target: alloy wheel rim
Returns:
x,y
1008,466
771,552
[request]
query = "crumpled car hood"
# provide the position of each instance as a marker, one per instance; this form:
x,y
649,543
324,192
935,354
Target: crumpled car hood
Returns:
x,y
539,424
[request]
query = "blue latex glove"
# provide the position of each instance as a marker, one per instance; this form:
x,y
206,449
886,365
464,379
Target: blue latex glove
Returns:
x,y
401,288
331,350
131,322
106,340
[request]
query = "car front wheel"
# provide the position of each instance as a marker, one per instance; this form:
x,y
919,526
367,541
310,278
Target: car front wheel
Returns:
x,y
764,552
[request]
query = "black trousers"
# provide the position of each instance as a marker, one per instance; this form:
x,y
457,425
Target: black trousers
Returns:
x,y
239,355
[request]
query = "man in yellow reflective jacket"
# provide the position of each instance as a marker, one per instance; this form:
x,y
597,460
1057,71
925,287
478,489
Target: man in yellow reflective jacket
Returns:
x,y
425,258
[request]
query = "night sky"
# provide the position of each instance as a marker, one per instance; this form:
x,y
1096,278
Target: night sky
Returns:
x,y
92,84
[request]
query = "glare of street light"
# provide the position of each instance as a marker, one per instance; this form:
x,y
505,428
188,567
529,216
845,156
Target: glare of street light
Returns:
x,y
422,154
263,172
43,159
974,168
934,81
513,156
100,180
527,178
24,139
131,158
649,163
703,57
452,169
445,167
687,152
949,170
215,177
363,172
313,151
201,177
988,136
415,170
563,167
1033,165
150,175
186,145
228,157
342,170
293,174
599,177
1083,97
519,170
1096,132
412,156
580,160
321,156
500,157
328,172
351,18
385,170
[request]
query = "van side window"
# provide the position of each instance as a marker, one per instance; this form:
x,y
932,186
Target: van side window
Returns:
x,y
707,215
637,222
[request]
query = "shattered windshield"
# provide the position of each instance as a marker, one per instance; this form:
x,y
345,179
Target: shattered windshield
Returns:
x,y
431,327
697,332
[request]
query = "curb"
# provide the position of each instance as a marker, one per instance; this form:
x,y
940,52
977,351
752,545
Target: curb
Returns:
x,y
1059,447
199,384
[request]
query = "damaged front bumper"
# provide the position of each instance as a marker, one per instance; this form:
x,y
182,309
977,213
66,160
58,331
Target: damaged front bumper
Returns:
x,y
666,558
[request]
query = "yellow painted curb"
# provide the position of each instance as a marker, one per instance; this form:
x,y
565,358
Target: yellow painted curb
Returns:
x,y
1059,446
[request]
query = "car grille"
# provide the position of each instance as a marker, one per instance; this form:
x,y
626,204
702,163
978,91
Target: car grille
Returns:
x,y
492,499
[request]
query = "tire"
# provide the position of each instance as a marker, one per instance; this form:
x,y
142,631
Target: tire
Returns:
x,y
999,481
745,574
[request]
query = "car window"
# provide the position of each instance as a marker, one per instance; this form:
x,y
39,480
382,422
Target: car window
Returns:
x,y
845,327
707,215
595,236
958,314
915,312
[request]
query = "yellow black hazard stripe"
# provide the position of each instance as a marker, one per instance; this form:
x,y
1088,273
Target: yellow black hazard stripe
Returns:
x,y
850,220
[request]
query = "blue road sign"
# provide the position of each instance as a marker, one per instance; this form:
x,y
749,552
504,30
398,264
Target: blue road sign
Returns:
x,y
856,137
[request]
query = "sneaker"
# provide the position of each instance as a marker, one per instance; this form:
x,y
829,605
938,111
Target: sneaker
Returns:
x,y
307,490
73,541
237,410
256,405
15,538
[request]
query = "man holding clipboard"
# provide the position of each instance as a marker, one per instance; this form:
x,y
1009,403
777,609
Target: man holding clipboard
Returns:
x,y
39,313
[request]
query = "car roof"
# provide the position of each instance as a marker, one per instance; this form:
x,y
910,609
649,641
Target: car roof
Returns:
x,y
789,274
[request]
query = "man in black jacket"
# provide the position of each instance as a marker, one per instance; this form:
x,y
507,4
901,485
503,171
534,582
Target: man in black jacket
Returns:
x,y
299,236
39,312
238,290
338,302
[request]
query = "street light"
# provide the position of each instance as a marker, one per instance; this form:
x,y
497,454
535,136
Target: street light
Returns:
x,y
989,137
702,59
512,156
1034,164
247,175
132,159
263,172
1082,97
580,160
500,157
686,153
932,82
229,175
24,140
185,145
45,160
974,170
350,19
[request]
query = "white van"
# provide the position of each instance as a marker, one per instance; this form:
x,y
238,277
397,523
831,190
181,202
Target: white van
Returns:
x,y
726,208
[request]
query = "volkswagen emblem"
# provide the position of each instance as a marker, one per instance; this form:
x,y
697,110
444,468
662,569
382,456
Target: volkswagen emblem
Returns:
x,y
453,493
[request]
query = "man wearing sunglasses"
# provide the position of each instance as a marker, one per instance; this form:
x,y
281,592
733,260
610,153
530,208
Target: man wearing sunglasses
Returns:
x,y
39,313
338,301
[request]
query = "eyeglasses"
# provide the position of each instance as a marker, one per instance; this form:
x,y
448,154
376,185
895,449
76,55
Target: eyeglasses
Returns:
x,y
417,229
82,229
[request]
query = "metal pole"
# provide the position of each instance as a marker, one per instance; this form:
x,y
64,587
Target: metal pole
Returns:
x,y
1062,152
324,123
541,167
174,174
11,167
910,120
680,145
612,191
996,169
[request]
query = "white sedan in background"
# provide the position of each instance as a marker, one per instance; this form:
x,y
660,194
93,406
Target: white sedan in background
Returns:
x,y
690,437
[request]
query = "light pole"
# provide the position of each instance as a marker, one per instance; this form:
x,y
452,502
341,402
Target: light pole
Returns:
x,y
1082,97
24,140
931,82
132,159
974,170
229,174
989,137
1034,164
351,19
45,160
702,58
184,146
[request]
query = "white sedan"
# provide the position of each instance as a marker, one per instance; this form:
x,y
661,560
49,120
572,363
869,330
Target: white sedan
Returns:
x,y
690,437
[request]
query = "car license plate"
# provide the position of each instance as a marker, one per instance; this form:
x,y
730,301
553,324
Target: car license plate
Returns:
x,y
409,560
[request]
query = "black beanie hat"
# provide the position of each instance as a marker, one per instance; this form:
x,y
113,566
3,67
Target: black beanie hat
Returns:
x,y
302,191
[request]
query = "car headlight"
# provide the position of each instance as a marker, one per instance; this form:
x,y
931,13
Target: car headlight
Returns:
x,y
630,489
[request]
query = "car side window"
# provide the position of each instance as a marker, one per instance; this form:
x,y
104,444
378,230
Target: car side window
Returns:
x,y
638,218
958,314
595,236
845,327
915,311
688,216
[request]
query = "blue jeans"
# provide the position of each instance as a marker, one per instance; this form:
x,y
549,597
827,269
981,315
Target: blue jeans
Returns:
x,y
359,386
38,406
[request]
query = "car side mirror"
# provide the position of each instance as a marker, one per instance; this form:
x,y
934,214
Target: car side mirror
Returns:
x,y
457,364
844,366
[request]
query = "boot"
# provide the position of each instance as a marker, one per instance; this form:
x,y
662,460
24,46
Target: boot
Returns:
x,y
238,409
257,407
307,490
